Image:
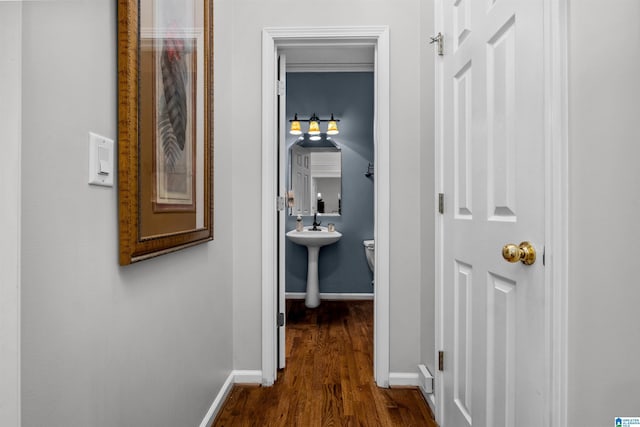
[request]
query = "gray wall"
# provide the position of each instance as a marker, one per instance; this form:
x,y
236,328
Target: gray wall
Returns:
x,y
403,18
342,266
604,291
427,189
103,345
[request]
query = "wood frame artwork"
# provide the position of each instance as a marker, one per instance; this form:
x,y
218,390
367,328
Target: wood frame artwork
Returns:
x,y
165,126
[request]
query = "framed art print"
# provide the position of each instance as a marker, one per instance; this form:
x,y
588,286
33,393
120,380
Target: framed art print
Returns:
x,y
165,90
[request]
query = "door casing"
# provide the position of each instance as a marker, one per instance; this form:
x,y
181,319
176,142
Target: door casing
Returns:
x,y
10,214
556,209
272,38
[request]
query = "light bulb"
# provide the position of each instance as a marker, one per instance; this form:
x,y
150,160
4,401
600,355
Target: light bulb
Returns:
x,y
295,128
332,128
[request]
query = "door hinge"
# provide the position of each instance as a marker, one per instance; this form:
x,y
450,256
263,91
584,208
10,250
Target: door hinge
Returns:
x,y
441,361
441,203
280,320
281,88
439,39
280,202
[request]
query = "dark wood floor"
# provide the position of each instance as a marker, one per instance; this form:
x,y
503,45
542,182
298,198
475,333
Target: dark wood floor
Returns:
x,y
328,380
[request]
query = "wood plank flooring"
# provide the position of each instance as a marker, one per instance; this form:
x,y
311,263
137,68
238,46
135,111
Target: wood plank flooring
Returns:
x,y
328,380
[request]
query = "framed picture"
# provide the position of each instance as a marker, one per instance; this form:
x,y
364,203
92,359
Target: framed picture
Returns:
x,y
165,126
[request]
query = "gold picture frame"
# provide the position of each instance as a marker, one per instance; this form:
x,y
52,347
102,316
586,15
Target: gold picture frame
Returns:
x,y
165,126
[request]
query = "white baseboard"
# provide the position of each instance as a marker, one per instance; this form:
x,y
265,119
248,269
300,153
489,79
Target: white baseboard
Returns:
x,y
426,387
422,380
235,377
247,377
333,296
218,401
430,398
426,379
404,379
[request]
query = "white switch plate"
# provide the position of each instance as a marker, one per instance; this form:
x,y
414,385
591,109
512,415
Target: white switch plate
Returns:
x,y
101,160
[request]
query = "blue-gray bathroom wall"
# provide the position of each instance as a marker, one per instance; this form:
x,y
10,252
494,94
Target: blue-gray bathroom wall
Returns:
x,y
350,97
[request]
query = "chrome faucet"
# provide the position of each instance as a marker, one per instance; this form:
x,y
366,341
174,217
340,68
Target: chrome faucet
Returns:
x,y
315,222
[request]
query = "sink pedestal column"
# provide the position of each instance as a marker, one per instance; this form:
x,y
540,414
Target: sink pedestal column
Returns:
x,y
312,299
313,240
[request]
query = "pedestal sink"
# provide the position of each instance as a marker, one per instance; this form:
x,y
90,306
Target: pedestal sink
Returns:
x,y
313,240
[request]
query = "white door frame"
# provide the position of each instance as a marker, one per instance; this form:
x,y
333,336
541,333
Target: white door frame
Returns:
x,y
378,36
10,194
556,209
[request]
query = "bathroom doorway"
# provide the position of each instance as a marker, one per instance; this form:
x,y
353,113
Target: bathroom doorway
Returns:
x,y
325,47
329,178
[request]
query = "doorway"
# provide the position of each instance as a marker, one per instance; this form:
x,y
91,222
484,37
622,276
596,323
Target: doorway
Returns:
x,y
275,39
327,175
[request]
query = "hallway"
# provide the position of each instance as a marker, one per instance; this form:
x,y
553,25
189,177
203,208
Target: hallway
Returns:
x,y
328,379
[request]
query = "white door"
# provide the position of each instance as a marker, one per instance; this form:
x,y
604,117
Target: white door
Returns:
x,y
301,180
493,179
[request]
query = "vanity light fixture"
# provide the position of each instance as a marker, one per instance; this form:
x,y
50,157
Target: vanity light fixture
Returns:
x,y
314,126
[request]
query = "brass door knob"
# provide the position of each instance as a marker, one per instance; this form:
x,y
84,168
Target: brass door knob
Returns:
x,y
525,253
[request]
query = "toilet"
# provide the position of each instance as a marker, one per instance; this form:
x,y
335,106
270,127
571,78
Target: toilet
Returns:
x,y
370,252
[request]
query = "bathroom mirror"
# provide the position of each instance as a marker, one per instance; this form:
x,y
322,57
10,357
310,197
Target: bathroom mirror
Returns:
x,y
315,177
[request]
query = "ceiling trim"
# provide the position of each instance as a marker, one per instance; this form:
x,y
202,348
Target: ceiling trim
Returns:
x,y
329,68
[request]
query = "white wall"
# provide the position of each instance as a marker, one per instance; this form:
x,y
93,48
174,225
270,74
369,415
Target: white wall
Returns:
x,y
10,147
103,345
604,294
403,18
427,177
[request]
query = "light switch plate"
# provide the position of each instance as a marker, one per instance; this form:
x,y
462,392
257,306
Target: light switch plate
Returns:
x,y
101,160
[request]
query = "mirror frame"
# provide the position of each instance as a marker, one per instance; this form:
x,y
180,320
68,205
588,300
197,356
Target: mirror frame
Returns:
x,y
133,246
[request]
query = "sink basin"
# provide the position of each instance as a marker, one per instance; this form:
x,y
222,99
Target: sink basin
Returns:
x,y
313,240
307,237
